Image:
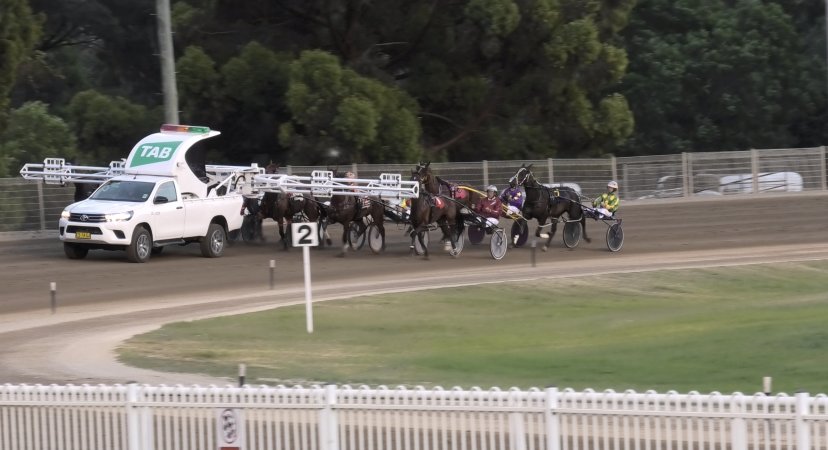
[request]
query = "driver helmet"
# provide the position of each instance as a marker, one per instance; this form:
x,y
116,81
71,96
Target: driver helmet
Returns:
x,y
612,185
491,188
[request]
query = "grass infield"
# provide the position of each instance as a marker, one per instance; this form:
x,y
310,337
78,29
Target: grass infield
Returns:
x,y
718,329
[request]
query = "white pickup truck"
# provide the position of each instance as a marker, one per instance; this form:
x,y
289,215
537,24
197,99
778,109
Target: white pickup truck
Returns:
x,y
165,195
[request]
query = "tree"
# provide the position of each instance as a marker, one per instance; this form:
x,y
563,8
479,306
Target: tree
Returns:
x,y
19,30
107,127
33,135
339,114
716,75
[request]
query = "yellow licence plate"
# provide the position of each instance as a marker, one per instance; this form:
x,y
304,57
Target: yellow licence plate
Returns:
x,y
83,235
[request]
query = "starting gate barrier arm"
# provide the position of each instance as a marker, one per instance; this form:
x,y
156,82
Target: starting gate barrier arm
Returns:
x,y
322,183
58,171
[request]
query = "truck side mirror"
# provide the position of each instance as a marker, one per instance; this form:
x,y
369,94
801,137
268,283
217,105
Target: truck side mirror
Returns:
x,y
160,199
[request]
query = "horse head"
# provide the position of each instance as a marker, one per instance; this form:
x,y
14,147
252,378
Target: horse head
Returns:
x,y
272,167
427,180
522,176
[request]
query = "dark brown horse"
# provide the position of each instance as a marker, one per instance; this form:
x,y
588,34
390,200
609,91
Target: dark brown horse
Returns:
x,y
348,210
431,207
286,208
544,203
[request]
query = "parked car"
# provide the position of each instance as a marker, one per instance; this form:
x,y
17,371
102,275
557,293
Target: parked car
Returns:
x,y
671,186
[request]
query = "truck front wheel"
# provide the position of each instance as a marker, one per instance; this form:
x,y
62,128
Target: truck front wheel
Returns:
x,y
75,251
140,249
212,245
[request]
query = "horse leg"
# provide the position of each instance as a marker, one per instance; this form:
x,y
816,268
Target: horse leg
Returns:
x,y
583,226
448,236
412,233
345,228
552,231
420,234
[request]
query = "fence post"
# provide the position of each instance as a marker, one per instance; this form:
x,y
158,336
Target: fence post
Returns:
x,y
550,168
485,172
355,169
133,427
517,426
803,428
289,170
823,181
738,427
754,170
42,204
686,176
328,423
553,425
614,168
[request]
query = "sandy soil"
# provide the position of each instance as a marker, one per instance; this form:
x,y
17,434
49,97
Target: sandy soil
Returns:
x,y
103,299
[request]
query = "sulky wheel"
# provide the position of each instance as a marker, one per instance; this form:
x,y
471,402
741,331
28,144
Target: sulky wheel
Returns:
x,y
520,233
356,235
498,244
615,237
375,240
476,234
572,234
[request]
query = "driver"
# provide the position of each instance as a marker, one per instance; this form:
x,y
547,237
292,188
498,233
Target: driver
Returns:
x,y
513,196
607,203
490,207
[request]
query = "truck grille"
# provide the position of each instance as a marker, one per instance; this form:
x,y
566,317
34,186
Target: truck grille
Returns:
x,y
87,218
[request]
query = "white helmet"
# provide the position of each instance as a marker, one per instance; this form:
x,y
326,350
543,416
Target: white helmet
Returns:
x,y
491,188
612,185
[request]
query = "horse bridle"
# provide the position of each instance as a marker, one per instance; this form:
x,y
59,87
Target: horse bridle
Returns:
x,y
519,182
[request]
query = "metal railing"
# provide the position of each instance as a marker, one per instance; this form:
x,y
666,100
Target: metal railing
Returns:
x,y
29,206
133,417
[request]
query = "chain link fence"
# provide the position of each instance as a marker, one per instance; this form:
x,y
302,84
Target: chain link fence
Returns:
x,y
29,206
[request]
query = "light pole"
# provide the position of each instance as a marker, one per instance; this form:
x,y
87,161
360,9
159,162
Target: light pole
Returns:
x,y
165,46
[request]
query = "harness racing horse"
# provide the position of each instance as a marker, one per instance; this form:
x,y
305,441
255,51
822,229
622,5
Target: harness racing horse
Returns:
x,y
431,207
543,203
284,207
348,209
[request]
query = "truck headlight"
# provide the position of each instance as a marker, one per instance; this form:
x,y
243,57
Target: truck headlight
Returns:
x,y
118,217
65,214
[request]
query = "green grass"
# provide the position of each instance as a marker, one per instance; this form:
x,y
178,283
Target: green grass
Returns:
x,y
707,330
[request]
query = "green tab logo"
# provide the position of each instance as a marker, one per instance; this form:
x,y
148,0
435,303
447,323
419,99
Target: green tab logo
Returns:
x,y
154,152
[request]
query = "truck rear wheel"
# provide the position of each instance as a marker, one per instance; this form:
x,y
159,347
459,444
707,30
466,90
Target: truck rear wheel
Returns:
x,y
212,245
75,251
140,249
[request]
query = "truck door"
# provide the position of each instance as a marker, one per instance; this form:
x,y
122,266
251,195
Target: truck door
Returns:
x,y
168,213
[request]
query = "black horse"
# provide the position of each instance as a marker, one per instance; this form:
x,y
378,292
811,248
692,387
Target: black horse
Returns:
x,y
431,207
543,203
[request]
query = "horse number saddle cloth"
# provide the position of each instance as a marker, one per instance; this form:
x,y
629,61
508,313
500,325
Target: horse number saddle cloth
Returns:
x,y
436,201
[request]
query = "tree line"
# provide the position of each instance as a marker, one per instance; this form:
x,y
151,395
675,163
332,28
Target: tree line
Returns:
x,y
320,82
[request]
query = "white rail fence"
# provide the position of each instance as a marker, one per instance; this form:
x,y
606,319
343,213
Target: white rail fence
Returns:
x,y
30,206
133,417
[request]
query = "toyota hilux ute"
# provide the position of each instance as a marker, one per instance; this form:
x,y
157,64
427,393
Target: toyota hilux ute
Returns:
x,y
164,196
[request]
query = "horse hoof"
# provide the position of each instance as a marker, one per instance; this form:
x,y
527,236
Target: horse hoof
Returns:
x,y
543,249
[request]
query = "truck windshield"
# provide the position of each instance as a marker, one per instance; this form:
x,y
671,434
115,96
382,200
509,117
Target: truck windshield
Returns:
x,y
124,191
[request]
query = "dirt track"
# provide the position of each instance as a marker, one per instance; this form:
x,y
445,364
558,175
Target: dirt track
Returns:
x,y
104,299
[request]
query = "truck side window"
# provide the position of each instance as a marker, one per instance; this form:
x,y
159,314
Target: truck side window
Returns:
x,y
167,190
